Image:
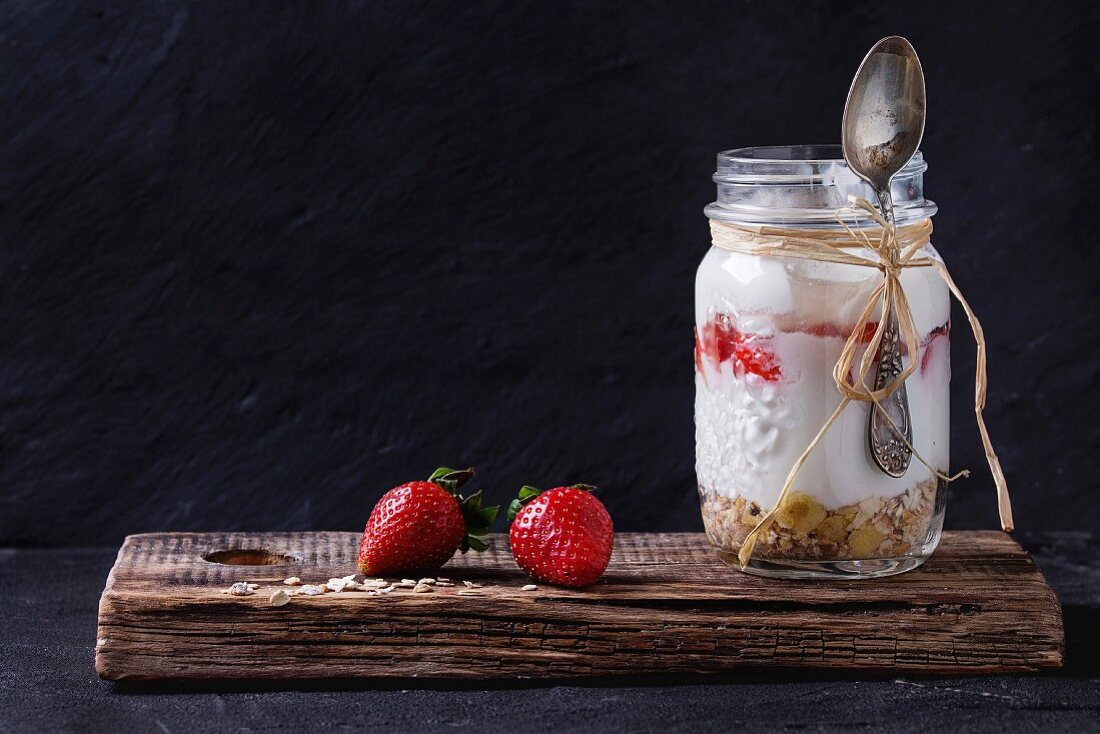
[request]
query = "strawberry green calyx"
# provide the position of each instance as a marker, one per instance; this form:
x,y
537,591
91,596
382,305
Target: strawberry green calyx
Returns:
x,y
478,519
528,493
451,479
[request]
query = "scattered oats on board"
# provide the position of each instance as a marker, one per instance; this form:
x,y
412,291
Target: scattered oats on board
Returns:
x,y
471,585
422,588
428,581
529,587
280,598
469,592
311,590
239,589
293,581
253,586
336,585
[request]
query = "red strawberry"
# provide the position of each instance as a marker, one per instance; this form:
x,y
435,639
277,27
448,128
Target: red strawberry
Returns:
x,y
929,341
561,536
419,526
868,334
750,353
827,329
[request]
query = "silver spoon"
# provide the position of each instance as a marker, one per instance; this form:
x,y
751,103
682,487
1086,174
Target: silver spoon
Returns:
x,y
882,128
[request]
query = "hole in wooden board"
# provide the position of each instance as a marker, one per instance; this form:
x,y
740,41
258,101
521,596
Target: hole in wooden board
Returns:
x,y
250,557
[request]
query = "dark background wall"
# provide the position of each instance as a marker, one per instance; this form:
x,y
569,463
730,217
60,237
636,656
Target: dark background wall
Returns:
x,y
260,262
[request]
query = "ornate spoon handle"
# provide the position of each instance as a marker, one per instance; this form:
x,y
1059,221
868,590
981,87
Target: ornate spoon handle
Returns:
x,y
890,453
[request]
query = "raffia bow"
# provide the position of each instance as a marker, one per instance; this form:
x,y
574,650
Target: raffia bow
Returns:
x,y
896,249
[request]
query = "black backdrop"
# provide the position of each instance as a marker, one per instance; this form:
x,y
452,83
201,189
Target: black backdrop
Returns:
x,y
260,262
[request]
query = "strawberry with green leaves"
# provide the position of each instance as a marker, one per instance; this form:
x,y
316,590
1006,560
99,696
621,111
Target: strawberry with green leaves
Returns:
x,y
418,526
562,536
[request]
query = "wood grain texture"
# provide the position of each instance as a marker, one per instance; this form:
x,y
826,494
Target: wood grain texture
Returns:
x,y
665,605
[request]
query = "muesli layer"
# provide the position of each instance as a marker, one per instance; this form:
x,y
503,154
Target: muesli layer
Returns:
x,y
876,527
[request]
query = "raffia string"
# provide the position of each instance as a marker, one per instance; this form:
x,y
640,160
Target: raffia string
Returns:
x,y
896,249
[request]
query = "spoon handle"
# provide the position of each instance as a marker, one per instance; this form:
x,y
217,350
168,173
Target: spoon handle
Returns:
x,y
891,454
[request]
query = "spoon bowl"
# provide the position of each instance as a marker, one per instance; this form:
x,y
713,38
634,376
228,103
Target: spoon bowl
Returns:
x,y
884,116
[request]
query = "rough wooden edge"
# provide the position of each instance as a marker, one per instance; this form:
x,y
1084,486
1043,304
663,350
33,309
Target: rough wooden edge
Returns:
x,y
1055,610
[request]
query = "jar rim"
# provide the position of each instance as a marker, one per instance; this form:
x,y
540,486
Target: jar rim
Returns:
x,y
756,162
805,185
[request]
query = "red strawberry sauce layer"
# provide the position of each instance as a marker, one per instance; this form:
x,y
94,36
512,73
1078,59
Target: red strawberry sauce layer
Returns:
x,y
750,353
719,341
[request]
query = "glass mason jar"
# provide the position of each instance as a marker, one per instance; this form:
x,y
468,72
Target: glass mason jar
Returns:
x,y
768,332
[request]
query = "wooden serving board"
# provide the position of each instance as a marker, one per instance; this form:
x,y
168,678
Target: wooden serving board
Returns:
x,y
665,605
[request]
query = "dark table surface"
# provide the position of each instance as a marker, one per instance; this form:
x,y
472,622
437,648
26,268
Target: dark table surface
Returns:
x,y
48,683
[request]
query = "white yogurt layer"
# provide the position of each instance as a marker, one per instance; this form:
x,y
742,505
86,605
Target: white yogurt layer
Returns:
x,y
807,291
749,431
